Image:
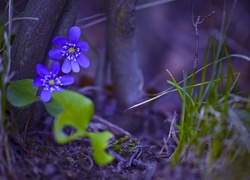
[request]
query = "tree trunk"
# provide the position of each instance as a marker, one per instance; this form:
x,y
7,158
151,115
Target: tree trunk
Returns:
x,y
65,22
121,51
33,37
33,40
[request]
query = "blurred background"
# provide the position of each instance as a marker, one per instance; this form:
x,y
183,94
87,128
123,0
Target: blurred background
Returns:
x,y
165,39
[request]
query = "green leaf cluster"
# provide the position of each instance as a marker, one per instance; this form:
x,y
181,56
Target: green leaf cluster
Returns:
x,y
70,109
215,119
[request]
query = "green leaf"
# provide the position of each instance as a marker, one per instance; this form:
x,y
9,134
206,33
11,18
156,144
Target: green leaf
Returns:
x,y
55,106
73,110
22,93
99,142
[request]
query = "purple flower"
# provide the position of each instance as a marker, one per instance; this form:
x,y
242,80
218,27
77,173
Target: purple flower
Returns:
x,y
50,81
72,50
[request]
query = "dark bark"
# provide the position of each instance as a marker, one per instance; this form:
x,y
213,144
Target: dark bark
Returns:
x,y
33,40
65,21
121,51
33,37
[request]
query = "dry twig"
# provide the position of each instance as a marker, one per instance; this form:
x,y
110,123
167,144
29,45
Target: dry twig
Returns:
x,y
196,24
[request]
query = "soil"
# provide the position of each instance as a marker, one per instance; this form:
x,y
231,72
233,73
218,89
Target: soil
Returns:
x,y
141,153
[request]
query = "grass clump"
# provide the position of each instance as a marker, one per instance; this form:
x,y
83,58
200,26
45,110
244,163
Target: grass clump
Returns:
x,y
5,75
214,129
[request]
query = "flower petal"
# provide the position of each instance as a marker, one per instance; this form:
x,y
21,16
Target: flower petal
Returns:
x,y
83,46
67,79
75,66
42,70
38,82
74,34
56,53
60,41
55,68
66,67
45,95
83,60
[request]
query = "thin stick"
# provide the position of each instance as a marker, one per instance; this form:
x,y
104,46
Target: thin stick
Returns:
x,y
104,18
196,24
151,4
170,132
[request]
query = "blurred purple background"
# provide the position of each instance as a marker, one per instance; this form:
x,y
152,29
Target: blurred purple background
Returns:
x,y
166,40
166,37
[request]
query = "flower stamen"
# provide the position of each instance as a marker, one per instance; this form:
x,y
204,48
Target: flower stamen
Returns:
x,y
51,82
71,50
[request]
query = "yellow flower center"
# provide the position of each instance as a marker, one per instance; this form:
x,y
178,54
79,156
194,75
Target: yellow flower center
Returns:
x,y
71,50
51,82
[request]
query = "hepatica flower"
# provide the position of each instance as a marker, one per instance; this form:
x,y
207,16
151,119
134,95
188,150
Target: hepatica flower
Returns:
x,y
71,50
50,81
